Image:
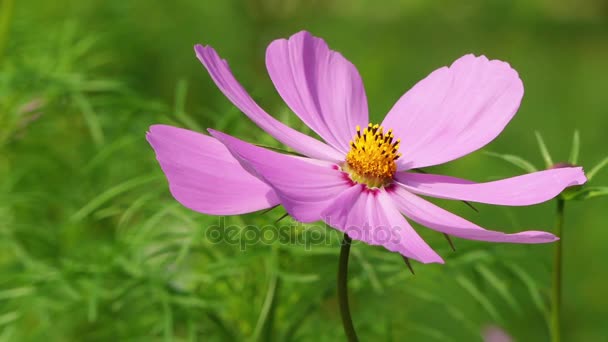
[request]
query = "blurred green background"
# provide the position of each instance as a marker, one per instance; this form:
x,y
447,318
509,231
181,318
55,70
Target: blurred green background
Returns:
x,y
93,247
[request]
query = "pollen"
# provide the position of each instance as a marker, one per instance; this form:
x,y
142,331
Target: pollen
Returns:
x,y
372,155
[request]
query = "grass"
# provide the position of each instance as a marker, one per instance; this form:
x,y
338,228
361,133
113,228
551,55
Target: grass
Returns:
x,y
94,248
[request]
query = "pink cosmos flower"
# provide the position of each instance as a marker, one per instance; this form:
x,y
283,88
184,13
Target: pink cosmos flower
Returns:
x,y
359,181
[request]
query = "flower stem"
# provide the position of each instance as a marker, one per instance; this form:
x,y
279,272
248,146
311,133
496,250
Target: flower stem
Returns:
x,y
347,321
556,294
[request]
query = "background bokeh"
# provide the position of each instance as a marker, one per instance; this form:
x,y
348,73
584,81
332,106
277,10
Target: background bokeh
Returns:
x,y
93,247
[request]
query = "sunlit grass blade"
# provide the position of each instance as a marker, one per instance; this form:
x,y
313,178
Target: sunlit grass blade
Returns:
x,y
430,331
543,149
179,107
471,257
135,205
499,285
299,278
111,193
589,192
308,307
479,296
265,320
167,320
533,290
457,313
597,168
107,152
100,85
576,148
90,118
369,271
514,160
7,334
9,318
16,292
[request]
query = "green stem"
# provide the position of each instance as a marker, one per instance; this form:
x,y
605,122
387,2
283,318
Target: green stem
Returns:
x,y
263,328
347,321
556,294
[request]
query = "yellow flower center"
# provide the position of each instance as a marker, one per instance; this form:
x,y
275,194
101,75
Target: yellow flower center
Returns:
x,y
372,155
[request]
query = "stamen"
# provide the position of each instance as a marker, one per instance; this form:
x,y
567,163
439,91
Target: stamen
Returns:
x,y
371,160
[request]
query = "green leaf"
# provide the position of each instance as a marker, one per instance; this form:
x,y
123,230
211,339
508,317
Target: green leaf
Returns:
x,y
479,296
107,152
111,193
514,160
597,168
499,285
167,320
90,118
9,317
430,331
530,284
308,308
471,257
266,318
543,150
460,316
16,292
576,147
299,277
179,107
587,193
369,271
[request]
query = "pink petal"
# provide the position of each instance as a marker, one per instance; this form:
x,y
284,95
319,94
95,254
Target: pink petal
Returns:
x,y
204,176
305,186
527,189
454,111
321,86
223,78
371,217
432,216
495,334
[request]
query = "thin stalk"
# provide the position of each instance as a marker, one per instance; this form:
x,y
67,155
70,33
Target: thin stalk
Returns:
x,y
263,327
556,293
347,321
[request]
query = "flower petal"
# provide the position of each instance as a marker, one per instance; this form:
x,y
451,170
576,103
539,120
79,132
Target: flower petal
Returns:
x,y
304,186
223,78
371,217
495,334
321,86
527,189
204,176
432,216
454,111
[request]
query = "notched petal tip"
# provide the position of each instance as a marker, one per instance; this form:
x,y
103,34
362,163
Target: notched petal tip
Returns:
x,y
201,51
200,48
581,178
